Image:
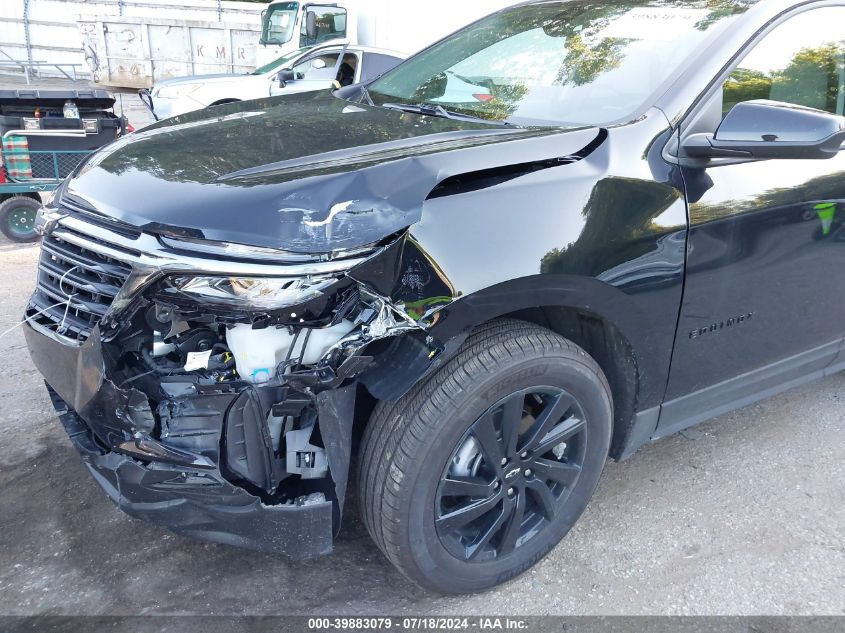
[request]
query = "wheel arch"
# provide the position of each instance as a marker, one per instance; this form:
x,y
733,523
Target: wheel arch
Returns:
x,y
606,344
607,323
28,194
226,101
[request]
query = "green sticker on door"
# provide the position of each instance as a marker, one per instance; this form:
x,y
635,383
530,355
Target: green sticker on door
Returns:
x,y
827,212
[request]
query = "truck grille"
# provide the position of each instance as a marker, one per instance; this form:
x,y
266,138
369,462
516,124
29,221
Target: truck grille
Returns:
x,y
75,287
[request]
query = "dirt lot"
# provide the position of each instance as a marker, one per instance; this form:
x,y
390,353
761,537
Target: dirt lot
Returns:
x,y
745,515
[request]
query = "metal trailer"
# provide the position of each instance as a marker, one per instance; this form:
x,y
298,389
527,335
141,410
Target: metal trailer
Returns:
x,y
40,145
20,197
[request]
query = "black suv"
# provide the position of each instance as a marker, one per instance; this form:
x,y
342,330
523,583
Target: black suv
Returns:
x,y
570,229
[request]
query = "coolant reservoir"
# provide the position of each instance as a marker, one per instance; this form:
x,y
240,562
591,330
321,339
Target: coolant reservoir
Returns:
x,y
259,352
321,341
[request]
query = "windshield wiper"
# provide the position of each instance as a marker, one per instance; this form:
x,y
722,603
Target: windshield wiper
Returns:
x,y
433,109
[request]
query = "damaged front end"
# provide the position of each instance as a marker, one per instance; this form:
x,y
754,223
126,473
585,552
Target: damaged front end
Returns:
x,y
212,389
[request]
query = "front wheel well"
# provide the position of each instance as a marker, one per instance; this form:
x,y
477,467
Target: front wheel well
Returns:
x,y
223,102
602,340
30,194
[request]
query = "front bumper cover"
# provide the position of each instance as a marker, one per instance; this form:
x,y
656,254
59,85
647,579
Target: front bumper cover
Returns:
x,y
187,492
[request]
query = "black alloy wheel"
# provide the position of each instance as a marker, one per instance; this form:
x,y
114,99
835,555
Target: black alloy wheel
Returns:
x,y
511,473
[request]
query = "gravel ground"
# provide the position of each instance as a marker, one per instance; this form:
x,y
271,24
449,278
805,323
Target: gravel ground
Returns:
x,y
744,515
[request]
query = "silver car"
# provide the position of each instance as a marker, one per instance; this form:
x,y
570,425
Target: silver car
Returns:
x,y
333,64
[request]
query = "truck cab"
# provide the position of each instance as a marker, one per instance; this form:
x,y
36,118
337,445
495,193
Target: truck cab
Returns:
x,y
287,26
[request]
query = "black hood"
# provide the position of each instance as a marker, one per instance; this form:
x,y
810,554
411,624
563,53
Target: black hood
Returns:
x,y
308,173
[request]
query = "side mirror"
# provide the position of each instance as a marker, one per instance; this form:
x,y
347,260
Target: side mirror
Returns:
x,y
764,129
318,64
285,76
311,26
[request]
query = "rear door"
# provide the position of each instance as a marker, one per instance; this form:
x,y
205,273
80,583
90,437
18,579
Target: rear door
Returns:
x,y
764,300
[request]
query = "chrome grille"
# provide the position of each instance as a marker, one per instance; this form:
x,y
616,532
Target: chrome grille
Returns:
x,y
75,287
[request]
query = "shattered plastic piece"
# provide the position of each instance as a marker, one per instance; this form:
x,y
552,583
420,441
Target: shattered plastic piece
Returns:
x,y
312,499
385,320
146,448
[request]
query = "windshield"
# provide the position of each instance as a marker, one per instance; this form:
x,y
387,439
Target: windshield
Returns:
x,y
558,62
280,63
279,23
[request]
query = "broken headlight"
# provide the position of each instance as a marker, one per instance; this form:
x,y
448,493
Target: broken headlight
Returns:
x,y
255,293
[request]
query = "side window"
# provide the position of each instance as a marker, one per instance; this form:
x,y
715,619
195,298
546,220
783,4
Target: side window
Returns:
x,y
376,64
348,70
317,67
802,62
330,24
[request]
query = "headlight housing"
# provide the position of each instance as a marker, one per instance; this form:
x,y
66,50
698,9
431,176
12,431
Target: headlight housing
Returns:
x,y
251,293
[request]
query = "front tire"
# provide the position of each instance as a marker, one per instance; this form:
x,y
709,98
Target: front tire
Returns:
x,y
475,475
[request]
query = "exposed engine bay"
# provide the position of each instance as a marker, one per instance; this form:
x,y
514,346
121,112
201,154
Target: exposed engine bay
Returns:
x,y
273,370
243,387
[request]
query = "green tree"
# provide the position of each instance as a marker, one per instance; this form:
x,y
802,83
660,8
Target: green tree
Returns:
x,y
584,63
746,85
813,77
